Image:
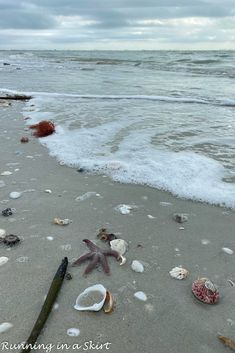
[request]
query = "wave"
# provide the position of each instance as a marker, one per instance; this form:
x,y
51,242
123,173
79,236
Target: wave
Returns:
x,y
170,99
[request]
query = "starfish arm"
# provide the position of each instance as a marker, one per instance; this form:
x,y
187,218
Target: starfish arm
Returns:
x,y
112,253
90,245
104,263
92,264
82,258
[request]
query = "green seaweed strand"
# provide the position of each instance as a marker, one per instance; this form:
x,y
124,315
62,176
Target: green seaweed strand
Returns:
x,y
47,306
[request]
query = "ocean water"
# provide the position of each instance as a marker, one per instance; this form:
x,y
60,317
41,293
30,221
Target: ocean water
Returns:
x,y
165,119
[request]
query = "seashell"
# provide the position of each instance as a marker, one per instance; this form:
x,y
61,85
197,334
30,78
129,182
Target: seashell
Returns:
x,y
123,260
11,239
205,291
6,173
73,332
228,251
141,296
180,217
5,326
2,233
119,245
179,273
62,222
3,260
8,212
137,266
15,194
109,303
124,209
91,299
48,191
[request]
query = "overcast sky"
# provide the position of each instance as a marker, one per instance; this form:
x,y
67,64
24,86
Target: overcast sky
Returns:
x,y
117,24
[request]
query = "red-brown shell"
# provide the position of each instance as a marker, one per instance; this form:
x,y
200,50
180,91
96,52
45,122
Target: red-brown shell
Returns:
x,y
44,128
203,293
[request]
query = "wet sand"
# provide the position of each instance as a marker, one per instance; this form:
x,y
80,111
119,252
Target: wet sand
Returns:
x,y
171,320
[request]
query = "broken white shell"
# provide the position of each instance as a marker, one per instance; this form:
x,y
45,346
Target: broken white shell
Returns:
x,y
179,273
62,222
48,191
228,251
98,290
119,245
6,173
15,194
5,326
124,209
137,266
73,332
3,260
123,260
2,233
141,296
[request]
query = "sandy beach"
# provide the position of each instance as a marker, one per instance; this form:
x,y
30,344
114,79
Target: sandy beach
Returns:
x,y
172,320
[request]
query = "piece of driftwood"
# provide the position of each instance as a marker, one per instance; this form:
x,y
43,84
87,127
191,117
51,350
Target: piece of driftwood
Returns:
x,y
16,97
47,306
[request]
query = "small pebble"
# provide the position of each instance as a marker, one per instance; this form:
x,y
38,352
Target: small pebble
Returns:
x,y
2,233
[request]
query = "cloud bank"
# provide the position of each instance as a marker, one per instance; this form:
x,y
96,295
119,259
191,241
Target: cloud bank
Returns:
x,y
117,24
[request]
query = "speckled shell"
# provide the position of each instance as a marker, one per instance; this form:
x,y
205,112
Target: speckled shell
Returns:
x,y
205,291
179,273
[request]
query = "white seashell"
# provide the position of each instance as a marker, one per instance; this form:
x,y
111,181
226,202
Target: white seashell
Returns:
x,y
124,209
179,273
73,332
48,191
150,216
2,233
3,260
228,251
123,260
50,238
141,296
100,290
119,245
15,194
5,326
137,266
6,173
2,184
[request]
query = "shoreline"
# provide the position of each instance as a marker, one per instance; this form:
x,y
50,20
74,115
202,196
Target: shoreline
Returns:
x,y
169,319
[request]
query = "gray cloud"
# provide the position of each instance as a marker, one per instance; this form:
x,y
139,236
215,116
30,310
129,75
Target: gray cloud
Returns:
x,y
65,22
